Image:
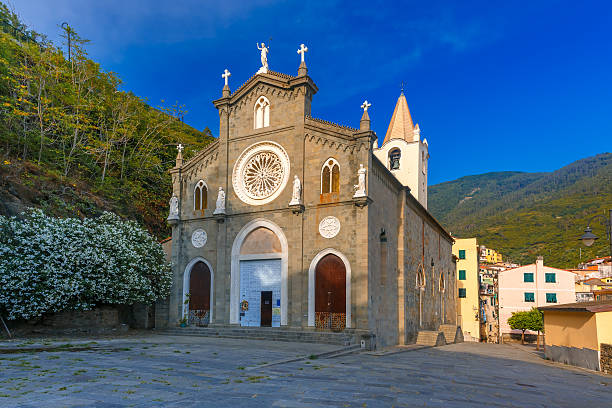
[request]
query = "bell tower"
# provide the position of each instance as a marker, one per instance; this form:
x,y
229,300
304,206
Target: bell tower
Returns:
x,y
403,152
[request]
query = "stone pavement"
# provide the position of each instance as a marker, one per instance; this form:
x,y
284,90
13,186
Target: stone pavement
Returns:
x,y
169,371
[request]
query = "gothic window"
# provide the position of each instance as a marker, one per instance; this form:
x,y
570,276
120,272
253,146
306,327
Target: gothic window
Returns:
x,y
420,278
200,196
330,177
394,159
262,113
441,286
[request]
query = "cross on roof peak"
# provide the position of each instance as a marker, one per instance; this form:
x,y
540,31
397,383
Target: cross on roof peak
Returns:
x,y
226,74
180,147
365,105
303,49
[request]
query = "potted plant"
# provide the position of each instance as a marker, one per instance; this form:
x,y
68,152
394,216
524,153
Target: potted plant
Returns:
x,y
183,322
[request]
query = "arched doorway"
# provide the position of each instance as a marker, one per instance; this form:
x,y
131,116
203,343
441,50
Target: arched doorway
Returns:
x,y
197,292
330,293
259,276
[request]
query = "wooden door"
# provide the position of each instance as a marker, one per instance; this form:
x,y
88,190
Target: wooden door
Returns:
x,y
199,294
330,293
266,308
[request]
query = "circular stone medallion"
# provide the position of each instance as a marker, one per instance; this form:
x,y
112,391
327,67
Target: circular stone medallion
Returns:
x,y
329,227
261,173
199,238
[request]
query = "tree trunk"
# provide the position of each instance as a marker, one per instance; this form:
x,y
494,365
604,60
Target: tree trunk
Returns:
x,y
523,337
538,342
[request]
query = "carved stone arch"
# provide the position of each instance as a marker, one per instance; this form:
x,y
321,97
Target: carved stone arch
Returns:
x,y
186,289
311,284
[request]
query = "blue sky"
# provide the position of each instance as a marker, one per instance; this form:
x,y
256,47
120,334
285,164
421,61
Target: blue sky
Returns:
x,y
494,86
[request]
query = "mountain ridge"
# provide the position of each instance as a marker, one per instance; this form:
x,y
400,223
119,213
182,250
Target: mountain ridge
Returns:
x,y
524,214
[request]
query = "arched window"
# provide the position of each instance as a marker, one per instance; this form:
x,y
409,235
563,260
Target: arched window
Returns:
x,y
441,285
200,196
420,278
394,159
330,177
261,113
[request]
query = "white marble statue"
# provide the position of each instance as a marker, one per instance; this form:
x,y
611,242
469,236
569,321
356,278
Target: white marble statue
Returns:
x,y
264,58
220,208
360,188
297,192
174,208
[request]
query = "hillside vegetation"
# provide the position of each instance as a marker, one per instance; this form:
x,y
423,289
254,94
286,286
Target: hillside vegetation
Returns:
x,y
528,214
72,142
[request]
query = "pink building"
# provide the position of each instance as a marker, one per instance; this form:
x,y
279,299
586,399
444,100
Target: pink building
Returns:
x,y
530,286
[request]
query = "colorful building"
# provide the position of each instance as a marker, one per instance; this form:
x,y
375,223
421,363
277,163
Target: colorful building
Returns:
x,y
467,253
489,255
580,334
535,285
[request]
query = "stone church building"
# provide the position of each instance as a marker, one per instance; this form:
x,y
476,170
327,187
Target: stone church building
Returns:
x,y
291,221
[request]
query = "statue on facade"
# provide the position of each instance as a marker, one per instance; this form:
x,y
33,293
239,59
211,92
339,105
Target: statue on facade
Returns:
x,y
220,207
264,58
360,188
174,208
297,192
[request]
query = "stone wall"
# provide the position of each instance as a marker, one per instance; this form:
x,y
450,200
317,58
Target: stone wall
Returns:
x,y
581,357
605,358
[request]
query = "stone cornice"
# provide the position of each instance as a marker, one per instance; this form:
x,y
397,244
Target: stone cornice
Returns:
x,y
337,141
273,79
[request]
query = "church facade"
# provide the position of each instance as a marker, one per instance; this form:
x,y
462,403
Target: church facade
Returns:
x,y
291,221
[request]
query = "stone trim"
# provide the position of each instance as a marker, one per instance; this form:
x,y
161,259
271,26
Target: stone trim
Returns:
x,y
206,152
235,267
187,276
311,285
332,124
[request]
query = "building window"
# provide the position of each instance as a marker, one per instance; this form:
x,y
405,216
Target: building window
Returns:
x,y
462,254
200,196
530,297
527,277
261,114
330,177
462,293
461,274
394,159
551,298
550,278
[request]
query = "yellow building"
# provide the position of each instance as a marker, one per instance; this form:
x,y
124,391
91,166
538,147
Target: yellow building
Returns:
x,y
489,255
467,253
580,334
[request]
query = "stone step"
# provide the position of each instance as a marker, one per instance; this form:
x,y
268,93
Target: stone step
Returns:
x,y
430,338
342,339
452,333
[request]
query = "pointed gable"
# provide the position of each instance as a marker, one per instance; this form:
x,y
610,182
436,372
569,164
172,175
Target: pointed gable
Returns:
x,y
400,126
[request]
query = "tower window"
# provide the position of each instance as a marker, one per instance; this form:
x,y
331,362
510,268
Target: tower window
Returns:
x,y
394,159
262,113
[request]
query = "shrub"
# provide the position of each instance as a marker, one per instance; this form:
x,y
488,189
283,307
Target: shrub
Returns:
x,y
52,264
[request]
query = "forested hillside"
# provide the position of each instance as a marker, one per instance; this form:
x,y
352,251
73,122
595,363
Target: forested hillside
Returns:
x,y
528,214
73,142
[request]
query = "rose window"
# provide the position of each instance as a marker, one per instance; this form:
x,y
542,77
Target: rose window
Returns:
x,y
263,174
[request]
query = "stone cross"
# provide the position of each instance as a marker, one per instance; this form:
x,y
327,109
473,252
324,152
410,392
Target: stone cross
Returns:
x,y
226,74
302,51
365,105
180,148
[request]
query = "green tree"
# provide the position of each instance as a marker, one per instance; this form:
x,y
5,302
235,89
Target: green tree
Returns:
x,y
520,321
536,323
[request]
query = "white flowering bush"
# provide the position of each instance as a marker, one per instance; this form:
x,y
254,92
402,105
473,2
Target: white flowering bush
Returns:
x,y
52,264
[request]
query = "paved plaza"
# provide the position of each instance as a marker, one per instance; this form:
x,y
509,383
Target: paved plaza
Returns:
x,y
169,371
